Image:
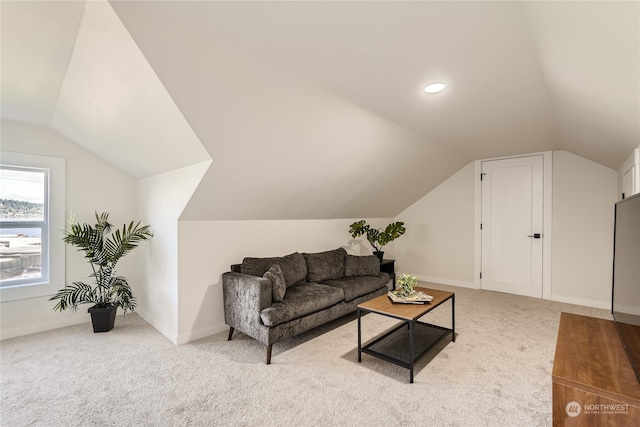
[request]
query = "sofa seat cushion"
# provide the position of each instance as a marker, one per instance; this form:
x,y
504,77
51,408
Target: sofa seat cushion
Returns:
x,y
358,286
293,267
326,265
300,300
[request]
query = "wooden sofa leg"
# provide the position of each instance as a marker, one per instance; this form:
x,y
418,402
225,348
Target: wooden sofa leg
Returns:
x,y
269,354
230,333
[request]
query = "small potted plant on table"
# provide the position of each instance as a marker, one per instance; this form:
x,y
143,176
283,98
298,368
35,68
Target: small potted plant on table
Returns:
x,y
406,283
103,249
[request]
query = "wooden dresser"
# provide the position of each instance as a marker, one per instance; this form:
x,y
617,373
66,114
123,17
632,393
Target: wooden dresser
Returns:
x,y
593,381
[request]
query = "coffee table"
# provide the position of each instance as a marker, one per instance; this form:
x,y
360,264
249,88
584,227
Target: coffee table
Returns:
x,y
404,344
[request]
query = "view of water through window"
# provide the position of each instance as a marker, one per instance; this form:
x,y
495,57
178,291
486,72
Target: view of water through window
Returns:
x,y
22,220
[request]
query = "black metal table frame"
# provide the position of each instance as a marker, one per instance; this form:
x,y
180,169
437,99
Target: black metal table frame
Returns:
x,y
411,324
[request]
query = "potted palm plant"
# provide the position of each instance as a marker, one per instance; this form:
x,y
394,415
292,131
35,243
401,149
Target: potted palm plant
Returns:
x,y
103,249
377,237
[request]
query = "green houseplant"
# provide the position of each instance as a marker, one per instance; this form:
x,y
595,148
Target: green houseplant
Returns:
x,y
103,249
406,283
377,237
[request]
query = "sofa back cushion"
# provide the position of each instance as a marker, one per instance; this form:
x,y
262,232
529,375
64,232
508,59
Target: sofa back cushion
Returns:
x,y
359,286
326,265
293,266
362,266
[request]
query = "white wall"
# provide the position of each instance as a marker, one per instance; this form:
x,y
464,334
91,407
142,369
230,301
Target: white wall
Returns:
x,y
162,199
438,245
179,288
208,248
91,184
584,194
439,242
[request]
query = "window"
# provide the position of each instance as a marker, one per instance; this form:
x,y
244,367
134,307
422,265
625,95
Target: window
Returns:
x,y
31,207
23,225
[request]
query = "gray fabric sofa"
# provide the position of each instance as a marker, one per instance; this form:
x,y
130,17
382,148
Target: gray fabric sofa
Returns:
x,y
271,299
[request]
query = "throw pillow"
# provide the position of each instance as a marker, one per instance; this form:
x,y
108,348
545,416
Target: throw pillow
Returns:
x,y
362,266
278,284
293,267
323,266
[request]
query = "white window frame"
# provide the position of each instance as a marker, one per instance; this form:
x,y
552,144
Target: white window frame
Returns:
x,y
53,250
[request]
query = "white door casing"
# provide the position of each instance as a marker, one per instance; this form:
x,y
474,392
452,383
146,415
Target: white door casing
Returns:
x,y
512,225
629,182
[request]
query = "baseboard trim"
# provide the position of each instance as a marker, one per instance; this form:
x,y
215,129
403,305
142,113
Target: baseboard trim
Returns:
x,y
44,327
606,305
177,339
443,281
201,333
157,326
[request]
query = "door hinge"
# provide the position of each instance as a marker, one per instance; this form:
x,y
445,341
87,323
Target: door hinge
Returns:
x,y
481,275
480,226
482,175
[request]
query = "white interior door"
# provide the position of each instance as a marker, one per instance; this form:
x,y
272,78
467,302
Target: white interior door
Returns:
x,y
512,224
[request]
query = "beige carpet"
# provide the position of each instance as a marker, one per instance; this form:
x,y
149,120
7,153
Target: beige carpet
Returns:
x,y
497,373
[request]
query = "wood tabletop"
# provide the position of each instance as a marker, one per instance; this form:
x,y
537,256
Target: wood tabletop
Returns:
x,y
384,305
590,356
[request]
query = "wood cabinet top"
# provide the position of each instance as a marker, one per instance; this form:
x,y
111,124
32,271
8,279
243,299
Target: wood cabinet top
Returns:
x,y
590,356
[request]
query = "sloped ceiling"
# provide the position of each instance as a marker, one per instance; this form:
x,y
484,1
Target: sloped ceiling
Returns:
x,y
37,43
72,66
522,76
315,109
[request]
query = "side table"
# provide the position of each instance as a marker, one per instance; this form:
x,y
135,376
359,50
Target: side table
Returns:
x,y
387,266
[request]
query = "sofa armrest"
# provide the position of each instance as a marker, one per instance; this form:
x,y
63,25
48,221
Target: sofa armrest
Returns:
x,y
245,296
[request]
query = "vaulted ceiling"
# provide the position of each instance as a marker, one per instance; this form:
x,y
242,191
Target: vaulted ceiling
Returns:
x,y
72,66
322,102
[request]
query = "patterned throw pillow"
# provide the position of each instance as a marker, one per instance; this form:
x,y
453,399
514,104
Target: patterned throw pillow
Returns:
x,y
278,284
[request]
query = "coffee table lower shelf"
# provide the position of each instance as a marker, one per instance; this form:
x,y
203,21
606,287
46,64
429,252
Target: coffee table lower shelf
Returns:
x,y
394,346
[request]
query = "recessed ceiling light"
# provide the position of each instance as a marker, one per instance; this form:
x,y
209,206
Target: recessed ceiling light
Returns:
x,y
434,87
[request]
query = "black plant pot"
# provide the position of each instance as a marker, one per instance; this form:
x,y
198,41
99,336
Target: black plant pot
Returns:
x,y
379,254
103,319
